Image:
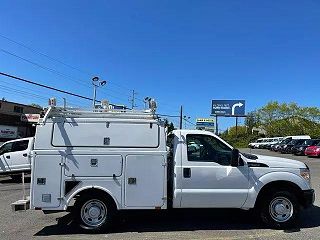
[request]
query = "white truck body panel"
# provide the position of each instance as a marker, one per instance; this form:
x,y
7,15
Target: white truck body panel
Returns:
x,y
125,156
149,189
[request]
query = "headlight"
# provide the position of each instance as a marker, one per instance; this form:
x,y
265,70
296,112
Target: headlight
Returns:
x,y
305,173
301,148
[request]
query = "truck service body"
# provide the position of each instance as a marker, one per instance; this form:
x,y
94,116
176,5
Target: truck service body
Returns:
x,y
109,160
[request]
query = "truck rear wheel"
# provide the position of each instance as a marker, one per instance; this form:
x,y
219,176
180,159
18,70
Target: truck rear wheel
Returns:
x,y
279,209
94,213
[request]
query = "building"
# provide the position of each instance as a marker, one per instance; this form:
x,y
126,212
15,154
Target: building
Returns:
x,y
14,121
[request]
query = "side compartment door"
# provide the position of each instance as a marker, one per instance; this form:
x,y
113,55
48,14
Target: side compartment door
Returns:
x,y
208,179
145,181
46,181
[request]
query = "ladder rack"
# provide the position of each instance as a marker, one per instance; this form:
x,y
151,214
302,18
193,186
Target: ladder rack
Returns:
x,y
53,112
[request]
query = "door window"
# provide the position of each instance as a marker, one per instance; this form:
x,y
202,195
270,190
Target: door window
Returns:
x,y
204,148
20,146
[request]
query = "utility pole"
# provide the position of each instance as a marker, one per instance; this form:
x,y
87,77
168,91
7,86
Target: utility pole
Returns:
x,y
133,99
216,124
236,126
180,124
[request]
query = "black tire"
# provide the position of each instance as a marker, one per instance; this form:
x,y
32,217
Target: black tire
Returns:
x,y
94,202
269,216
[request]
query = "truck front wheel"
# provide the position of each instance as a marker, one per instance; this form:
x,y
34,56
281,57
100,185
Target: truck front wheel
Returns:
x,y
279,209
94,213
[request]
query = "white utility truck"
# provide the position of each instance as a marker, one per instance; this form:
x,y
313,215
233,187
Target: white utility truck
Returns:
x,y
15,157
112,160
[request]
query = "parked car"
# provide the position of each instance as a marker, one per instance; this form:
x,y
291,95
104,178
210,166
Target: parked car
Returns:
x,y
271,142
287,148
253,144
313,151
264,142
15,157
275,146
288,139
300,149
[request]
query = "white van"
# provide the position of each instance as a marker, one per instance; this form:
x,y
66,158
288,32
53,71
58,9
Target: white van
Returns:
x,y
15,157
297,137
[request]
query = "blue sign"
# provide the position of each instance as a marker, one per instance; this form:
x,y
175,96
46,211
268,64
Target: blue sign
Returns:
x,y
228,107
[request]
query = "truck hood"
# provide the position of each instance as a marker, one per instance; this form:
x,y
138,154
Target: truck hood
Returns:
x,y
276,162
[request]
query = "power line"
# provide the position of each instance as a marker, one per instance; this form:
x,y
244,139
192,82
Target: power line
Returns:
x,y
26,93
56,60
69,66
189,122
43,54
45,86
58,73
165,115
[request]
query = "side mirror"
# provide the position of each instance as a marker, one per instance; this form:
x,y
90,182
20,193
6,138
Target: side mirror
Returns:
x,y
235,158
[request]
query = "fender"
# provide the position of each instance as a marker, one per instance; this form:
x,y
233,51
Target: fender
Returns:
x,y
258,184
90,187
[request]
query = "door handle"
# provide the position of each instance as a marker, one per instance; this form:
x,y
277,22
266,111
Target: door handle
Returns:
x,y
8,156
187,172
25,155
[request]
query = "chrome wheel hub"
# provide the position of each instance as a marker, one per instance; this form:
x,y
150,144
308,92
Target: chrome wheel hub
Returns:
x,y
281,209
94,213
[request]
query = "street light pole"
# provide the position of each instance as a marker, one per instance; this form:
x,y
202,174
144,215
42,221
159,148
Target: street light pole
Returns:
x,y
96,82
94,96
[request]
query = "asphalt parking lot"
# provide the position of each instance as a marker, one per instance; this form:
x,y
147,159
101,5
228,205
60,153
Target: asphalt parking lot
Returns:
x,y
183,224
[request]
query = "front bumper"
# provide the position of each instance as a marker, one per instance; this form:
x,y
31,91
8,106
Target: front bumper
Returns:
x,y
308,198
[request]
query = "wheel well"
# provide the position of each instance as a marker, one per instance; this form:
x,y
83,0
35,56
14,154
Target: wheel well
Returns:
x,y
280,185
94,192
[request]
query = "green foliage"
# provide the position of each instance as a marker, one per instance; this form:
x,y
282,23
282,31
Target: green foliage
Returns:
x,y
278,119
170,125
238,138
282,119
35,105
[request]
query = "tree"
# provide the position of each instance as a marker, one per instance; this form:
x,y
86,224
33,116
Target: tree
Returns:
x,y
281,119
277,119
168,125
35,105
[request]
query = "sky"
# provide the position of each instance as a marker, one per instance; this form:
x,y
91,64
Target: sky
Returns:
x,y
178,52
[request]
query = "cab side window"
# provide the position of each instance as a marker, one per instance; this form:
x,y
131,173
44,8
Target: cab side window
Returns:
x,y
204,148
20,146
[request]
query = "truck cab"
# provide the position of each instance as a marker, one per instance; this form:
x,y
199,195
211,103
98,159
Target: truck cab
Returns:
x,y
210,173
15,157
205,175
